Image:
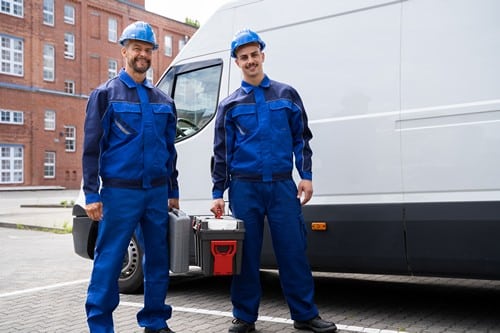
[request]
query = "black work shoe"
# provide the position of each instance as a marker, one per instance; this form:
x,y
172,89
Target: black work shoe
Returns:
x,y
317,325
240,326
161,330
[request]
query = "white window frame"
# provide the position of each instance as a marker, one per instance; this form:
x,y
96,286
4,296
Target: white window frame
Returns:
x,y
69,87
11,117
12,7
48,12
49,165
70,138
112,68
12,56
112,29
69,14
11,164
69,45
150,74
49,120
49,56
168,42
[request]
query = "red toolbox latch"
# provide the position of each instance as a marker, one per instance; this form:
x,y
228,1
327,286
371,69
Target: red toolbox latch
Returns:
x,y
223,252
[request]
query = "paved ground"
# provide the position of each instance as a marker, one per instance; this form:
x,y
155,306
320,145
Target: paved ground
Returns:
x,y
43,287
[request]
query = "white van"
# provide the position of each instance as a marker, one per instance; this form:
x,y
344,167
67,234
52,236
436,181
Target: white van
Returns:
x,y
403,100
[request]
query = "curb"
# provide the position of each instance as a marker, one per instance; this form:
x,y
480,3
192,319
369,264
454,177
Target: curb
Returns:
x,y
32,188
45,206
21,226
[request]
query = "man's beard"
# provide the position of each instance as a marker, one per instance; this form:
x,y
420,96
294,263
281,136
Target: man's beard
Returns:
x,y
138,69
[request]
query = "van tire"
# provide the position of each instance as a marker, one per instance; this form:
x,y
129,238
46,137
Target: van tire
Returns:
x,y
131,279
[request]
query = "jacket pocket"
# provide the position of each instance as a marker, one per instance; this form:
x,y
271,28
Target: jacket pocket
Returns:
x,y
125,120
163,116
245,119
280,111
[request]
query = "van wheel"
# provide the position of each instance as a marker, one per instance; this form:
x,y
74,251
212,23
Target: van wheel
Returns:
x,y
132,277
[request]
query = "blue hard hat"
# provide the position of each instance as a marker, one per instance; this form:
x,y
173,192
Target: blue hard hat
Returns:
x,y
244,37
139,31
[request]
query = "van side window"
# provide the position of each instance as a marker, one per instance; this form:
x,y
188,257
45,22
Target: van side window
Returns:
x,y
195,93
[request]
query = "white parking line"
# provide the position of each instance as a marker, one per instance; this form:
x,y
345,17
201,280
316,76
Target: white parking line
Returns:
x,y
262,318
52,286
195,310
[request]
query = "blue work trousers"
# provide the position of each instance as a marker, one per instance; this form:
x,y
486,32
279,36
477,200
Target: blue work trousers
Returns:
x,y
123,210
252,202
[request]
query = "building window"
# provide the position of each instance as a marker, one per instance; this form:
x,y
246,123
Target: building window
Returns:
x,y
69,45
12,56
70,138
182,43
112,68
12,7
49,165
112,30
50,120
168,46
69,14
48,62
48,12
69,87
11,117
11,160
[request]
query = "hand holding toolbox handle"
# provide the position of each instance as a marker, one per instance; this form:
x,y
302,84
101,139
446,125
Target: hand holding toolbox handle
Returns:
x,y
218,208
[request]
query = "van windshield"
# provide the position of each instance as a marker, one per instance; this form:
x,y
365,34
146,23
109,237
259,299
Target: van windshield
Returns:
x,y
195,93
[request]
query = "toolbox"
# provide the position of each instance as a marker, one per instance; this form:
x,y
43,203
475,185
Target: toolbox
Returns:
x,y
84,236
180,236
219,244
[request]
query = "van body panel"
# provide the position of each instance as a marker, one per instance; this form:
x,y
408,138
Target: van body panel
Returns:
x,y
450,99
404,106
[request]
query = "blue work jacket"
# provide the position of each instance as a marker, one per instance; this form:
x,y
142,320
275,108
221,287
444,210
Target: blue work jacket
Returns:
x,y
258,131
130,130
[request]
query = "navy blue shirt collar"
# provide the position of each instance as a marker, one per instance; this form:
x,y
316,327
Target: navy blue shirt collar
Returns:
x,y
129,82
248,88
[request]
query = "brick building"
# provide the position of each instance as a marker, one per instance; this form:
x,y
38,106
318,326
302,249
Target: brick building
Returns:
x,y
53,54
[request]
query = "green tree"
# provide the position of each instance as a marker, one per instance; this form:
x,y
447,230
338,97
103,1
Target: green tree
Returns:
x,y
191,22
